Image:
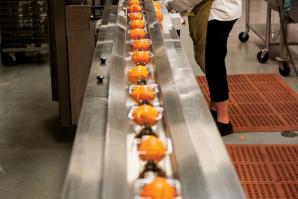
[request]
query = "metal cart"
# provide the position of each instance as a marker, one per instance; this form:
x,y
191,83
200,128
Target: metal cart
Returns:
x,y
23,27
287,13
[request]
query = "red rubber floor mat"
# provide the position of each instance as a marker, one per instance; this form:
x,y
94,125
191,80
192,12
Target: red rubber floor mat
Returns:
x,y
266,171
259,103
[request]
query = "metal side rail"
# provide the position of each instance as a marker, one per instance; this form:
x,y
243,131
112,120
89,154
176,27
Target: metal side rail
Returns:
x,y
84,176
203,165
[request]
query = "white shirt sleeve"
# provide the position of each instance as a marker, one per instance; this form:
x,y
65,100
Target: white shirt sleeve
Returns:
x,y
182,5
225,10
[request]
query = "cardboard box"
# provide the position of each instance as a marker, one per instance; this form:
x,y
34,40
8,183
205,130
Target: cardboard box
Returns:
x,y
80,45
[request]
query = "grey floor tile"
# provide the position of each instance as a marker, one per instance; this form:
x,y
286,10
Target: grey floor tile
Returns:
x,y
33,153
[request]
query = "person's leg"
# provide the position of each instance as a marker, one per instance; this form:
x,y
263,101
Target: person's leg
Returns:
x,y
215,64
222,109
216,50
212,62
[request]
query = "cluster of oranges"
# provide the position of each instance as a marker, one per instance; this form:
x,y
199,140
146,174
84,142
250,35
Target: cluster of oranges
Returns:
x,y
157,8
141,56
151,148
144,114
137,23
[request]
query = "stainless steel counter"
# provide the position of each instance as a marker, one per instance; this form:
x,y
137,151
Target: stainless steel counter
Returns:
x,y
98,166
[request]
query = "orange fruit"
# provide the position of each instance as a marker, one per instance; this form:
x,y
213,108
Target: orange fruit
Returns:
x,y
157,5
145,115
141,57
137,34
135,8
137,24
151,149
159,16
135,16
143,93
159,188
141,44
134,2
137,73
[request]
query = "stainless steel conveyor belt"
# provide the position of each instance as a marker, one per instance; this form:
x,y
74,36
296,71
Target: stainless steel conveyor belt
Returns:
x,y
98,165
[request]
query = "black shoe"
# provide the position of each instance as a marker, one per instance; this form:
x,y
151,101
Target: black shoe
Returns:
x,y
214,114
224,129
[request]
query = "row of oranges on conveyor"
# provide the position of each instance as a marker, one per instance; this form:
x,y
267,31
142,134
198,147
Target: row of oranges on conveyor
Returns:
x,y
151,148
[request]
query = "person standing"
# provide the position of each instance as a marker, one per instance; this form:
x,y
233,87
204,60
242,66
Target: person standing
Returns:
x,y
210,22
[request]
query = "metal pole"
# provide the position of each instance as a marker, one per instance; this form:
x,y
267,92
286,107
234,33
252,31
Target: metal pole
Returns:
x,y
247,21
268,27
283,39
93,9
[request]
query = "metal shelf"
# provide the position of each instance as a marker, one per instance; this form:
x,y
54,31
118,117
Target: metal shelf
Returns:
x,y
23,27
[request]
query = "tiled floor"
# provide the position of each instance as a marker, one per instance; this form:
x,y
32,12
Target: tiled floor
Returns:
x,y
259,102
33,154
266,171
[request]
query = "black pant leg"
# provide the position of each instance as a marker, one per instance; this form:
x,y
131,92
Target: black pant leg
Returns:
x,y
216,51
